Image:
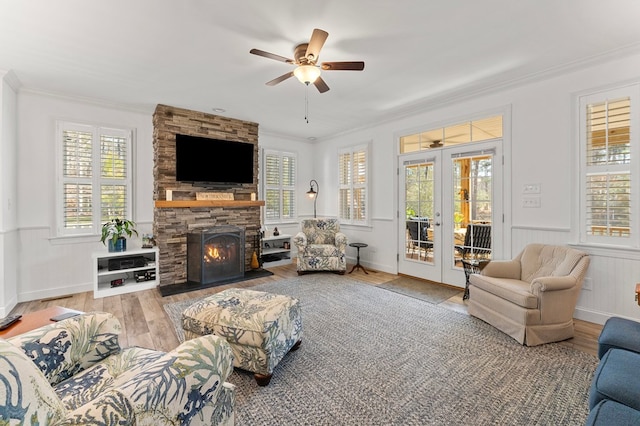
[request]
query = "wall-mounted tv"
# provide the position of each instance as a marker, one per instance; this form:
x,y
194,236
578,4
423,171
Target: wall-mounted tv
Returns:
x,y
213,161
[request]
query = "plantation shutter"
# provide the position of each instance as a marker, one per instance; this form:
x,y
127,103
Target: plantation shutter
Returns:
x,y
359,185
94,177
272,187
288,186
608,132
344,168
280,186
77,176
353,181
113,173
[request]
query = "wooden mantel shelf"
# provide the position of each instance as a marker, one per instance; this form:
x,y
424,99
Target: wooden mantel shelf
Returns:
x,y
163,204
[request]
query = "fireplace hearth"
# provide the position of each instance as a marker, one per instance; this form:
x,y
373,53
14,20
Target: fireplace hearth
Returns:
x,y
215,255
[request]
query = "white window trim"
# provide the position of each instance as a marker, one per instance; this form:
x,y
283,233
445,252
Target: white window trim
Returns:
x,y
366,147
584,99
281,186
96,180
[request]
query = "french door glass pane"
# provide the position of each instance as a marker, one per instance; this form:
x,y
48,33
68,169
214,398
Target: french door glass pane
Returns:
x,y
419,208
472,207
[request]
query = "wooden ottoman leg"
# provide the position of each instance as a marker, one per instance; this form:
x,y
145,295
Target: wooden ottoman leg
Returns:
x,y
296,346
262,379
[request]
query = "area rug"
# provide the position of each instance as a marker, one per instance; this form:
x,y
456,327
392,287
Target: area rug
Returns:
x,y
420,289
374,357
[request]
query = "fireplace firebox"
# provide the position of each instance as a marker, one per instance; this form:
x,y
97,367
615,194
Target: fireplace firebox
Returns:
x,y
215,255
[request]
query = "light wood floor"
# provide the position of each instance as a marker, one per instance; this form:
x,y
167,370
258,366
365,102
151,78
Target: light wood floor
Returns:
x,y
146,324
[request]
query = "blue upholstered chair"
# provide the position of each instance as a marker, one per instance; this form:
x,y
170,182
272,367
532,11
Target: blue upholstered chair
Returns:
x,y
614,398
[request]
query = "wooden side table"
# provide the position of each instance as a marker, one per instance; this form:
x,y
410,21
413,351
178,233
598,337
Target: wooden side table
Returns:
x,y
358,265
34,320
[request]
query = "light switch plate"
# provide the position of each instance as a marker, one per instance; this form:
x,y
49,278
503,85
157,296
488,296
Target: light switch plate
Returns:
x,y
531,188
531,202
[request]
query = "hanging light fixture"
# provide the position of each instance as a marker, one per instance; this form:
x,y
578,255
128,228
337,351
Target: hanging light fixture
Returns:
x,y
307,74
313,194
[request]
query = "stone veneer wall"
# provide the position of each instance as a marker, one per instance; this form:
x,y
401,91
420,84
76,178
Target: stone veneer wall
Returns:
x,y
171,225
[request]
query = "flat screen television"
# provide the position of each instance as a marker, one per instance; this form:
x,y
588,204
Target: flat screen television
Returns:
x,y
213,161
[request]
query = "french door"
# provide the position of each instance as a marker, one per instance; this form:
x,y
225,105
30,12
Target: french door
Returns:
x,y
450,204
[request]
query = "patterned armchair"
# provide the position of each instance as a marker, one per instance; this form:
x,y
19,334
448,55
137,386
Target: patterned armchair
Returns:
x,y
74,372
321,246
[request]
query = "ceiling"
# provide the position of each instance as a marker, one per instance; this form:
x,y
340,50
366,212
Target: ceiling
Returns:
x,y
195,53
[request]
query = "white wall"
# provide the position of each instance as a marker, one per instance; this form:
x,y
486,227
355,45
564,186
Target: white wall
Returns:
x,y
543,150
49,266
8,188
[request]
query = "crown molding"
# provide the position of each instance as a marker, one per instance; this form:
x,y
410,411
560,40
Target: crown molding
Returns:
x,y
11,79
144,109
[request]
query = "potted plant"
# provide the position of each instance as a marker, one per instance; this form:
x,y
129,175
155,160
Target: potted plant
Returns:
x,y
116,232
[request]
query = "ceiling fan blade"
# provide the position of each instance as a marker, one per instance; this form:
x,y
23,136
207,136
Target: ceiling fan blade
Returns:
x,y
321,85
271,56
343,66
280,79
318,37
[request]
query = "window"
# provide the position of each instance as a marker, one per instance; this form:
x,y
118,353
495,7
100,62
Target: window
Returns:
x,y
279,186
353,180
608,138
94,177
480,130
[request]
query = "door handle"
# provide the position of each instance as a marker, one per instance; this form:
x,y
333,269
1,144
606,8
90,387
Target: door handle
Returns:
x,y
437,224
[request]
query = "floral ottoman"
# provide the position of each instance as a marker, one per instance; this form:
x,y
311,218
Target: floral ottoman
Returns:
x,y
260,327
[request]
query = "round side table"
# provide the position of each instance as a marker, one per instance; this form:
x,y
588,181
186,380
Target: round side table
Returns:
x,y
358,265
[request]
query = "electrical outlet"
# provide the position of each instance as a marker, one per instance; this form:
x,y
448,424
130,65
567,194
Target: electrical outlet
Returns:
x,y
531,202
531,188
586,284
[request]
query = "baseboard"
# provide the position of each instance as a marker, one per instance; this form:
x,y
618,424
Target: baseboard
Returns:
x,y
372,265
592,316
54,292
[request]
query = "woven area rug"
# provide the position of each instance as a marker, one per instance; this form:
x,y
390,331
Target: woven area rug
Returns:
x,y
420,289
374,357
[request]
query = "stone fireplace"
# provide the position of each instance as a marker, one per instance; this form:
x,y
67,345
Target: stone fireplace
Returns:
x,y
215,255
175,218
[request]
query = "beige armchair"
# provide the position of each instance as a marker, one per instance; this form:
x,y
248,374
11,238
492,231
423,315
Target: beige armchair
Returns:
x,y
532,297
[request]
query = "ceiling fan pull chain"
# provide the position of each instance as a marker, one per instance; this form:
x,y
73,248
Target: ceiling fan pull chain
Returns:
x,y
306,103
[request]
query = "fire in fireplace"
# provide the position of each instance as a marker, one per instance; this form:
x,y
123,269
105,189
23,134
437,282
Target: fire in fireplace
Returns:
x,y
215,254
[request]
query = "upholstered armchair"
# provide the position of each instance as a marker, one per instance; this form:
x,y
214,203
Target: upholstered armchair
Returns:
x,y
321,246
532,297
74,373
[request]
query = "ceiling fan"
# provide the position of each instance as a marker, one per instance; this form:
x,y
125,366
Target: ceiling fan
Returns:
x,y
306,60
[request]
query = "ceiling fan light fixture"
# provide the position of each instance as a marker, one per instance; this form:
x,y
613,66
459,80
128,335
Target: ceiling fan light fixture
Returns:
x,y
307,74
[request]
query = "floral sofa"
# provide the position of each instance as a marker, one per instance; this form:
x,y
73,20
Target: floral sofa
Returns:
x,y
74,372
321,246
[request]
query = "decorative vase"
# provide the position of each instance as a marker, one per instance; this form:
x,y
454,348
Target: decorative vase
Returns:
x,y
119,245
276,232
254,261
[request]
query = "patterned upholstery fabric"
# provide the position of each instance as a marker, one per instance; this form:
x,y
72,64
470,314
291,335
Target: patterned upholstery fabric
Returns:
x,y
260,327
74,372
321,246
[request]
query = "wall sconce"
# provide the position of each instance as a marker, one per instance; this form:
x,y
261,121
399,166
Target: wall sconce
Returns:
x,y
313,194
